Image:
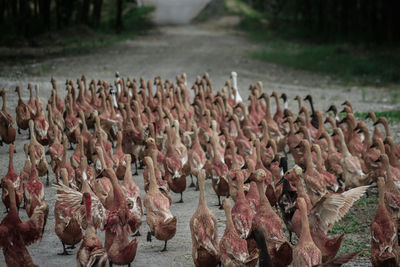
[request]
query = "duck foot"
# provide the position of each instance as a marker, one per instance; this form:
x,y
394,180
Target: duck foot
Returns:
x,y
181,201
192,183
197,186
47,180
19,130
65,252
137,234
70,146
220,207
148,237
165,247
71,247
110,263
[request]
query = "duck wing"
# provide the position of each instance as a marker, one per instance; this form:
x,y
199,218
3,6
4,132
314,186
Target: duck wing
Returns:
x,y
332,207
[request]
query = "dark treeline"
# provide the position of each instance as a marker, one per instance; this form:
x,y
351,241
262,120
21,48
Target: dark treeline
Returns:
x,y
366,20
29,17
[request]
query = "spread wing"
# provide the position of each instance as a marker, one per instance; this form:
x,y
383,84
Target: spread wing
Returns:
x,y
73,199
332,207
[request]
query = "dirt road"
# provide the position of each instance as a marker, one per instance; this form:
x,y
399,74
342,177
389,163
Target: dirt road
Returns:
x,y
168,52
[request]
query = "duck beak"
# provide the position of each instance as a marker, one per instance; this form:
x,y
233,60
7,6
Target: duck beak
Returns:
x,y
344,103
283,179
326,120
244,167
297,132
247,181
333,134
375,123
298,146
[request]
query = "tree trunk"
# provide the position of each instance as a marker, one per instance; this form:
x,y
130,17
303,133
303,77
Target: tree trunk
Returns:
x,y
118,21
97,13
85,11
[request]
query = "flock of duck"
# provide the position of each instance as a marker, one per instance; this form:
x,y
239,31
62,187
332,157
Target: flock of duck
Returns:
x,y
243,149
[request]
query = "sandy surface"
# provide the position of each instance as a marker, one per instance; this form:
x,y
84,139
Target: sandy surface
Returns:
x,y
167,52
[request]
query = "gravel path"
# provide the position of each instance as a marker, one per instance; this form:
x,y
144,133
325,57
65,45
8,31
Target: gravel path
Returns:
x,y
167,52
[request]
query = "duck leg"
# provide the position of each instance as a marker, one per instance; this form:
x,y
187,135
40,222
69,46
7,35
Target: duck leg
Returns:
x,y
65,252
70,146
19,130
192,183
165,247
110,263
181,201
219,203
290,238
197,185
71,247
136,168
149,236
47,179
29,134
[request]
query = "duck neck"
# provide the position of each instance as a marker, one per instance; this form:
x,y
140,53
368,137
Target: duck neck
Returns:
x,y
381,196
202,200
307,155
278,105
19,94
385,124
153,182
3,96
305,227
267,109
13,203
263,198
128,173
11,157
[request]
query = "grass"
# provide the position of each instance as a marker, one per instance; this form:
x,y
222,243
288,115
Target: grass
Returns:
x,y
356,226
81,39
351,63
391,116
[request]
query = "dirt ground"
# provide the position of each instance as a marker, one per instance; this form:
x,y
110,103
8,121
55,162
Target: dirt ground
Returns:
x,y
212,47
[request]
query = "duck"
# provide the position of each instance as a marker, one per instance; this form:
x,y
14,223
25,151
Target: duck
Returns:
x,y
305,253
233,249
67,226
267,221
242,213
313,179
16,235
384,240
133,199
120,250
161,222
22,111
39,154
196,153
175,174
41,124
352,175
91,253
392,192
34,192
218,171
15,179
264,260
119,158
204,230
384,122
7,131
322,216
314,120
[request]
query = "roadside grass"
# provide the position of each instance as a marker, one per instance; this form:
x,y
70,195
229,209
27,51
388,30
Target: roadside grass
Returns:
x,y
81,39
350,63
391,116
356,225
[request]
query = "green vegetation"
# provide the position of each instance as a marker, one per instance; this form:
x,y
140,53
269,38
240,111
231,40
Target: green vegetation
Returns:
x,y
80,26
391,116
356,225
288,45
